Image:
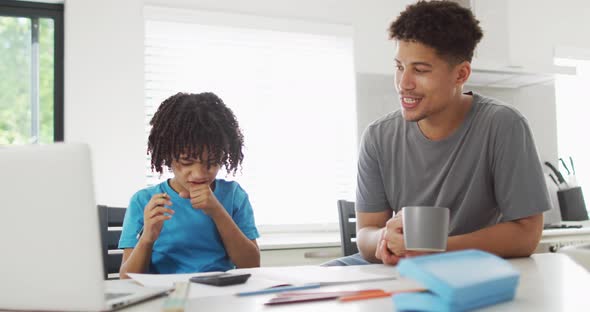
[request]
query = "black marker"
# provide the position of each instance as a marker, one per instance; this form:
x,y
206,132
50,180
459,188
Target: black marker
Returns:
x,y
139,233
164,195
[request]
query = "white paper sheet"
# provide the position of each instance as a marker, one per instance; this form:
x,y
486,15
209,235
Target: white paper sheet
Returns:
x,y
272,276
297,275
202,290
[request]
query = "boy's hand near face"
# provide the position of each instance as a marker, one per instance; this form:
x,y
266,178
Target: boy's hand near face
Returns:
x,y
154,217
202,197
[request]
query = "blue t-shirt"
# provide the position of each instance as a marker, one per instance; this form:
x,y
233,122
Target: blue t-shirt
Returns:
x,y
189,241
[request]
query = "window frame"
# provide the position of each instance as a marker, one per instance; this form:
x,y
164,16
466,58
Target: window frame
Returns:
x,y
54,11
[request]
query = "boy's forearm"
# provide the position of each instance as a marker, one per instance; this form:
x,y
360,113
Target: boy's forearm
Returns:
x,y
138,261
246,256
243,252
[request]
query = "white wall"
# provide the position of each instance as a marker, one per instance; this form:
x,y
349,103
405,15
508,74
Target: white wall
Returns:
x,y
104,70
374,53
376,96
537,104
104,92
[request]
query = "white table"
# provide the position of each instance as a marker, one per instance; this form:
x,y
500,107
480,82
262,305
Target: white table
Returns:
x,y
548,282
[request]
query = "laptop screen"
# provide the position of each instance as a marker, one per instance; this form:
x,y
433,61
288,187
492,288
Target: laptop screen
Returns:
x,y
51,258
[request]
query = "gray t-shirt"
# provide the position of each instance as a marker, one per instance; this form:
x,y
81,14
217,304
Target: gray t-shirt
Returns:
x,y
487,171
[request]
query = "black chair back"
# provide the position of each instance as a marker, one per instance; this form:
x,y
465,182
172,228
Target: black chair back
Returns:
x,y
347,222
111,222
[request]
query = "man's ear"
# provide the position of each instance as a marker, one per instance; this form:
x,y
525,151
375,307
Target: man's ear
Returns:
x,y
463,71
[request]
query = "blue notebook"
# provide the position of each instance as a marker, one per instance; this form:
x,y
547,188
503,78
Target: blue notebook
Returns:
x,y
457,281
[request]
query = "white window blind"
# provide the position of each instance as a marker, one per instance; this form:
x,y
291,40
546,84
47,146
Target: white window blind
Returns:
x,y
293,93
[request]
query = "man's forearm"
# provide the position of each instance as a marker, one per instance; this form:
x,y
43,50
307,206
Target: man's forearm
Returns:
x,y
518,238
367,240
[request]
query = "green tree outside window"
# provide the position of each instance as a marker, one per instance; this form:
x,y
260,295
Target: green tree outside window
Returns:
x,y
15,82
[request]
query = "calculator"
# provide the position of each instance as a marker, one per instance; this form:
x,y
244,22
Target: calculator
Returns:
x,y
222,279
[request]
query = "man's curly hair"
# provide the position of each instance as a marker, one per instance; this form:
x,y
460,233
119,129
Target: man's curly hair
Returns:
x,y
190,123
447,27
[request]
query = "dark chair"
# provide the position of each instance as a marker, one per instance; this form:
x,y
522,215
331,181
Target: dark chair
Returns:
x,y
111,221
347,227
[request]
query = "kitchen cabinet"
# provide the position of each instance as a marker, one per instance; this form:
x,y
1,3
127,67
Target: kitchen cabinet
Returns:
x,y
513,53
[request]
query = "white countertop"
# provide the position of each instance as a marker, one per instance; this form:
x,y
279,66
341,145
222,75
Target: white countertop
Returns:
x,y
292,240
571,231
295,240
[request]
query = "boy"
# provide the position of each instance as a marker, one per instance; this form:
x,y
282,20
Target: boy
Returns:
x,y
192,222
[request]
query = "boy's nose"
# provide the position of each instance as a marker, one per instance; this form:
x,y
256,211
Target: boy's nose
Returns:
x,y
198,172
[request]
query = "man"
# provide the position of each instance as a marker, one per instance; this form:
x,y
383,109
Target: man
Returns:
x,y
446,148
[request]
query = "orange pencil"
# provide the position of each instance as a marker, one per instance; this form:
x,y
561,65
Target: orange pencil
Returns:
x,y
378,294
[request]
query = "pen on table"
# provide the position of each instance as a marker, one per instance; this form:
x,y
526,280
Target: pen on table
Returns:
x,y
304,286
377,294
366,296
294,297
340,293
277,289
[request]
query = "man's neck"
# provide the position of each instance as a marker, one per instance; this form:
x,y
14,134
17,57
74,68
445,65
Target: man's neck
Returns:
x,y
441,125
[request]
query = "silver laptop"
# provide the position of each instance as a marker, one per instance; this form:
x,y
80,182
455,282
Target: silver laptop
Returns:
x,y
49,233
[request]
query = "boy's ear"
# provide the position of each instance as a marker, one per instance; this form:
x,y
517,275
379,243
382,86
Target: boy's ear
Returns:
x,y
463,71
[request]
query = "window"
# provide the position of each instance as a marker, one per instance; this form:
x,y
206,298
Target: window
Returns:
x,y
290,84
572,112
31,62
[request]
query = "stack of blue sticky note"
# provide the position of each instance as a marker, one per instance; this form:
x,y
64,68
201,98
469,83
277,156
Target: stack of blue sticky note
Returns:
x,y
457,281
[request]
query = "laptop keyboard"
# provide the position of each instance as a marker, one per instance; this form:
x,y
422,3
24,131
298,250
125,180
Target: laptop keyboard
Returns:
x,y
110,296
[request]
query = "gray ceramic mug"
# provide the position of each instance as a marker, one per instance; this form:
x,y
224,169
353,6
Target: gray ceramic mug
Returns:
x,y
426,228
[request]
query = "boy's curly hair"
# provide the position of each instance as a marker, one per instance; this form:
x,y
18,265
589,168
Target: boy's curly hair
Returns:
x,y
447,27
190,123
